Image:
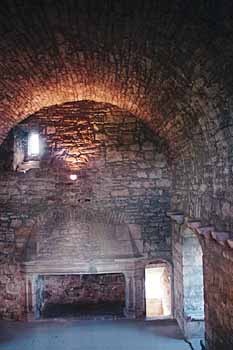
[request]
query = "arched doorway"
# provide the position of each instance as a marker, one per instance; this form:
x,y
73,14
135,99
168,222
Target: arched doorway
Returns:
x,y
158,290
193,285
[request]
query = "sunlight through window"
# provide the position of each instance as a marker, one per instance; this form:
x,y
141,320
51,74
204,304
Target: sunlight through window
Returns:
x,y
33,144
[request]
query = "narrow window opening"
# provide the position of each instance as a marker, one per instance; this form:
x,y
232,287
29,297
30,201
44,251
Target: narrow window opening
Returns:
x,y
33,145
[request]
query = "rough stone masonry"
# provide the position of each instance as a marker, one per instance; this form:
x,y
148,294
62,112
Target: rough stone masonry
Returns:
x,y
170,64
116,207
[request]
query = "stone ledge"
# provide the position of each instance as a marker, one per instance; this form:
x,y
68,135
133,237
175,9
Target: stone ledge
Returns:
x,y
178,217
205,232
193,224
221,237
230,243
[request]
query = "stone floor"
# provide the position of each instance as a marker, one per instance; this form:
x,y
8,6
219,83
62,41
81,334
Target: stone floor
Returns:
x,y
91,335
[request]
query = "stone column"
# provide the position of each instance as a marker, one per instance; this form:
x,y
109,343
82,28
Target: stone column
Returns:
x,y
140,293
130,311
31,296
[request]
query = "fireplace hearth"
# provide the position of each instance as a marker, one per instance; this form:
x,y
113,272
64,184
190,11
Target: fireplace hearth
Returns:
x,y
84,311
80,296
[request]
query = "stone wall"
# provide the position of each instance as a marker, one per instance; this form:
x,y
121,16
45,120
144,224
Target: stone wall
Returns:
x,y
12,290
218,265
116,205
203,171
122,177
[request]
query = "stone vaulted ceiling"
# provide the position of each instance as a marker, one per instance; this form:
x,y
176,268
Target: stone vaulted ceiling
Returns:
x,y
169,63
165,61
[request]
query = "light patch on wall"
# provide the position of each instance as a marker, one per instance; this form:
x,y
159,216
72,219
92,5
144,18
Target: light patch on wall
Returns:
x,y
73,177
33,144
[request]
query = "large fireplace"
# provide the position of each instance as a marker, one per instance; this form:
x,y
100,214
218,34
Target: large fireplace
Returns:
x,y
80,296
77,266
70,288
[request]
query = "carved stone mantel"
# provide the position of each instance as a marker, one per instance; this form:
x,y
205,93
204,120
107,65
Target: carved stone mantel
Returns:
x,y
132,268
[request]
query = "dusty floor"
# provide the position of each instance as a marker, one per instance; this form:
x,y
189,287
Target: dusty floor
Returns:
x,y
91,335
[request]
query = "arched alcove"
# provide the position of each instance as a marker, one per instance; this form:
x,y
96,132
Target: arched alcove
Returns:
x,y
193,284
188,279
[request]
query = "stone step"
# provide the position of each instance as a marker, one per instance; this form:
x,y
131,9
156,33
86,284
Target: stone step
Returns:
x,y
177,216
194,224
221,237
205,230
230,243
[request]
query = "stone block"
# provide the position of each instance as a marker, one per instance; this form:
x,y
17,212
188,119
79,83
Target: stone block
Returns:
x,y
135,231
120,193
141,174
113,156
122,233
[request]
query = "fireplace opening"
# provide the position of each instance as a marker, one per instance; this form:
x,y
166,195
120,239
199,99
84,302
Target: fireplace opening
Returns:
x,y
158,290
80,296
